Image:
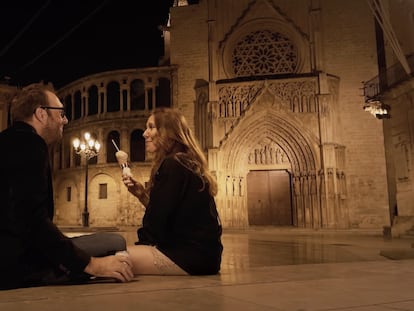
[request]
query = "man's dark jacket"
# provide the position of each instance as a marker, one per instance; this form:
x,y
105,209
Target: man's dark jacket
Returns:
x,y
31,244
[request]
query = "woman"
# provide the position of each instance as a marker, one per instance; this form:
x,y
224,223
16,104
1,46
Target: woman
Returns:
x,y
181,230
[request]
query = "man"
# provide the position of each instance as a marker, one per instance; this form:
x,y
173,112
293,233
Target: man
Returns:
x,y
34,251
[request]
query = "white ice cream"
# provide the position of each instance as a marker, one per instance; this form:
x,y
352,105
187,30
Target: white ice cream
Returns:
x,y
122,158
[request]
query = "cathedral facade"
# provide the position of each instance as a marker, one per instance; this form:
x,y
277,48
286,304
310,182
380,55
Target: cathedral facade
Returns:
x,y
278,105
275,91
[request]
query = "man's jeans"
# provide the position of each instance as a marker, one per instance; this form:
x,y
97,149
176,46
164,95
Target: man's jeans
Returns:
x,y
98,244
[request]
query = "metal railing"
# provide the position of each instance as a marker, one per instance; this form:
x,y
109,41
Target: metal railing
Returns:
x,y
393,76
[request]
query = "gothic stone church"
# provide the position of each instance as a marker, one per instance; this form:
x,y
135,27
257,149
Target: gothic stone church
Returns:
x,y
303,123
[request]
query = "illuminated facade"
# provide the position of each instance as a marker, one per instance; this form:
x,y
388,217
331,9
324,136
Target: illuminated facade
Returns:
x,y
114,106
274,91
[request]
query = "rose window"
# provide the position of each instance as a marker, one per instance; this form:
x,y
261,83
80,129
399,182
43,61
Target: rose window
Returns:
x,y
264,52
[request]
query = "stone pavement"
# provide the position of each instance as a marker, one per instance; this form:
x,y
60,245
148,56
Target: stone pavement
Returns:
x,y
263,269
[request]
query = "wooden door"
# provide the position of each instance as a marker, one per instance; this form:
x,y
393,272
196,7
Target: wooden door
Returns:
x,y
269,198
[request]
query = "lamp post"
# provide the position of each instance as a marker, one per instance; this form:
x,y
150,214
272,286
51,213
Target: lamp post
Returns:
x,y
88,148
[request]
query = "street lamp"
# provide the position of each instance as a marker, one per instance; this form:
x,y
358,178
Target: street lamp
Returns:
x,y
88,148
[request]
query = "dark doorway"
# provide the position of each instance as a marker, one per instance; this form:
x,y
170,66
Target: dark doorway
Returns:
x,y
269,198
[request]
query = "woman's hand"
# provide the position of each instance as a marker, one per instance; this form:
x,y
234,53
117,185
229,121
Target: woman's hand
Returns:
x,y
136,189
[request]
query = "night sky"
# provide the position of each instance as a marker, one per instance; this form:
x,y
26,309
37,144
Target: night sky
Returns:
x,y
60,41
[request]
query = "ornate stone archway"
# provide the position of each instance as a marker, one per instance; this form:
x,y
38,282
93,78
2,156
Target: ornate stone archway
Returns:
x,y
260,137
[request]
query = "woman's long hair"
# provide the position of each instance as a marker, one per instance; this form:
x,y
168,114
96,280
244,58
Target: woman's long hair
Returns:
x,y
176,138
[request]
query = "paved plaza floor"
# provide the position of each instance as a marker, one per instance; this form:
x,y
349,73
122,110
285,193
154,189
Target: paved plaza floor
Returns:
x,y
263,269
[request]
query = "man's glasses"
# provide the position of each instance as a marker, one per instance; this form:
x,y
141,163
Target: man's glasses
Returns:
x,y
62,110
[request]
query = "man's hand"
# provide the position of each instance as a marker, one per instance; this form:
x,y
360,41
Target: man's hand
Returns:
x,y
117,267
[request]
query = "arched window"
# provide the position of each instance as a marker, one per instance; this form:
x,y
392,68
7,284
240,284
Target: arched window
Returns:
x,y
68,107
78,105
137,151
92,100
110,148
201,117
113,97
163,93
137,95
150,99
